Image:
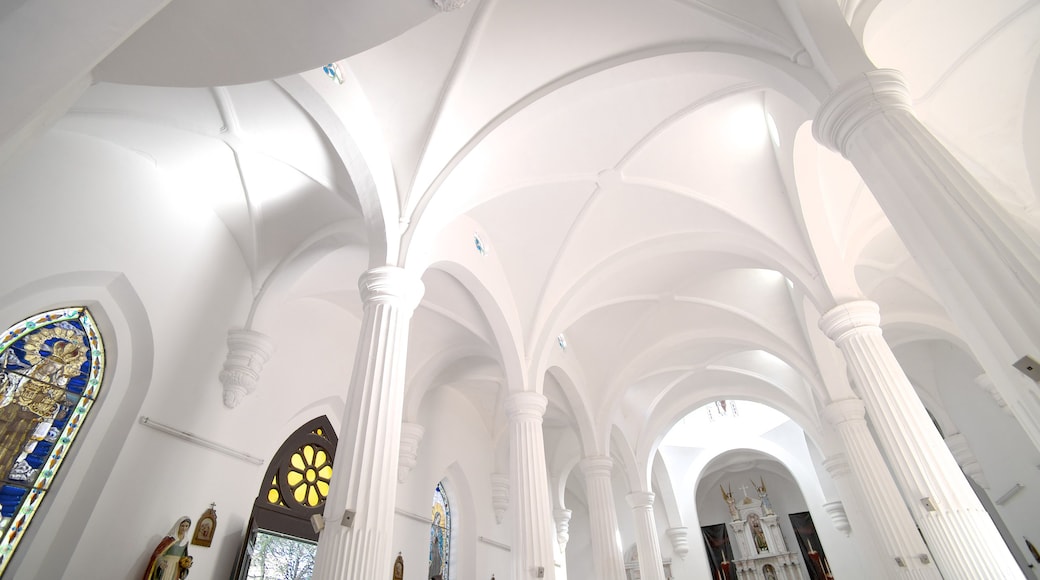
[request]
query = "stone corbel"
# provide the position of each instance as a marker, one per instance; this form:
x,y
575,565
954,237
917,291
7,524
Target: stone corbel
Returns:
x,y
248,351
499,495
840,519
965,457
411,437
680,541
563,527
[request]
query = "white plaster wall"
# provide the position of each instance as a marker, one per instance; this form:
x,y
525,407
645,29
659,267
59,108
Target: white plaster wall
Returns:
x,y
125,484
579,547
457,449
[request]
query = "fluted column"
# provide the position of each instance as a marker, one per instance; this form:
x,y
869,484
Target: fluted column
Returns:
x,y
651,565
365,482
607,560
903,547
960,533
533,535
982,263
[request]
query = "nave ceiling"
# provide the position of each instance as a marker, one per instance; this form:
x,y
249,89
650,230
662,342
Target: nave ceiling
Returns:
x,y
641,175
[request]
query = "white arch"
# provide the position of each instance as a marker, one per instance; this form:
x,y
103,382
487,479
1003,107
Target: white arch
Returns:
x,y
125,328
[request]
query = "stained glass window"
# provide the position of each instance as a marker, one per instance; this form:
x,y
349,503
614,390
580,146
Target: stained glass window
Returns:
x,y
281,541
51,367
440,535
331,70
479,244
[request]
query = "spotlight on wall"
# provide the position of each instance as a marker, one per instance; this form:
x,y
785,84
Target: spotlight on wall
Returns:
x,y
317,523
1029,367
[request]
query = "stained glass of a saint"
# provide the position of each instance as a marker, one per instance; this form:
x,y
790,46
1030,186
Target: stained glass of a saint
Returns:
x,y
51,366
440,535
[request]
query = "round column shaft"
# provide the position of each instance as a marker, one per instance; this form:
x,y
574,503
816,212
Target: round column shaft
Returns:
x,y
897,533
961,535
651,565
607,560
984,266
535,529
359,510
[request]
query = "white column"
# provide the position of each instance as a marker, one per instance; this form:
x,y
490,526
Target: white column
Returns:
x,y
533,535
365,481
960,533
651,565
897,533
980,261
411,437
608,562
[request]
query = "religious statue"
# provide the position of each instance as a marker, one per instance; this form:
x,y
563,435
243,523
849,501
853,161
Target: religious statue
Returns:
x,y
170,559
399,567
730,503
755,524
764,496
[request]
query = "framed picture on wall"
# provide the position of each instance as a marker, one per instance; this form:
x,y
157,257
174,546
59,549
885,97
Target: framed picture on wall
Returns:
x,y
205,527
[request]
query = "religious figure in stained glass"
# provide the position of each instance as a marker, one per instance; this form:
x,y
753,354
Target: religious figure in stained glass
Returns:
x,y
51,366
440,535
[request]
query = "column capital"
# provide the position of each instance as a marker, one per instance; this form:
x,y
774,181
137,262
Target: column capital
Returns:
x,y
856,102
597,466
526,405
845,320
844,411
640,499
391,285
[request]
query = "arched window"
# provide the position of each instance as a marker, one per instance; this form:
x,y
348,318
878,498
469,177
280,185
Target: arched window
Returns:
x,y
51,368
281,541
440,535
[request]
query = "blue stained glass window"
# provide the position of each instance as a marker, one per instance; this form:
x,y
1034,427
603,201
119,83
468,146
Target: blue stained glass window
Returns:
x,y
51,367
479,243
332,71
440,535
